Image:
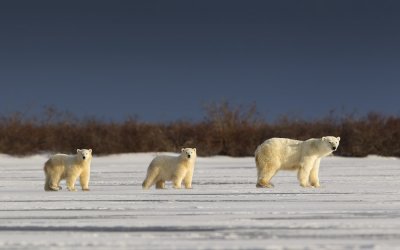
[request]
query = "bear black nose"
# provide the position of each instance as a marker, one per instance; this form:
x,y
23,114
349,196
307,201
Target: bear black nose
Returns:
x,y
83,157
333,148
188,156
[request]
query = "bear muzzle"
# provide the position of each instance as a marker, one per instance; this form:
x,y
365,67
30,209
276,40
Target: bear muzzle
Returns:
x,y
334,148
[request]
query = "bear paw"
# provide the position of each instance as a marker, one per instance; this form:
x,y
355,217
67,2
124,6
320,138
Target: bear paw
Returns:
x,y
72,189
305,185
316,185
53,188
85,189
267,185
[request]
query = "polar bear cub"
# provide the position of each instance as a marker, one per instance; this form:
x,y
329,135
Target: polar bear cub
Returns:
x,y
171,168
304,156
68,167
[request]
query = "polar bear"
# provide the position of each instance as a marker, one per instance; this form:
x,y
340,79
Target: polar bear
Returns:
x,y
304,156
68,167
171,168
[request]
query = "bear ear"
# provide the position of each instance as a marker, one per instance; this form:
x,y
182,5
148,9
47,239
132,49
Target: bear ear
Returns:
x,y
90,150
338,138
324,138
78,150
194,149
182,149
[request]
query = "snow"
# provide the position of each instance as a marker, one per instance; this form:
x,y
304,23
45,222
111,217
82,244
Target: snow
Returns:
x,y
357,207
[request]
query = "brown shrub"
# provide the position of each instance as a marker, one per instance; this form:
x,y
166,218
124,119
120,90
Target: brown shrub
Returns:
x,y
226,130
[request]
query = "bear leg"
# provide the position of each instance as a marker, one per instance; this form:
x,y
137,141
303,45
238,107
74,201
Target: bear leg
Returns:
x,y
71,184
160,184
177,182
264,178
149,181
53,183
187,181
304,174
153,173
53,186
147,184
58,184
314,180
47,183
84,180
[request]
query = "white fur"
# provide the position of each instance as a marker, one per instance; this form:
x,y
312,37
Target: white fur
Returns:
x,y
68,167
304,156
171,168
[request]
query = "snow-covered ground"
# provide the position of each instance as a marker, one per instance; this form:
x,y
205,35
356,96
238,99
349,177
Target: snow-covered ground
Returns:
x,y
357,207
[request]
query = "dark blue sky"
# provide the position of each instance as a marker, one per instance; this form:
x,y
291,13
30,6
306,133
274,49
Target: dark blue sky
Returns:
x,y
163,60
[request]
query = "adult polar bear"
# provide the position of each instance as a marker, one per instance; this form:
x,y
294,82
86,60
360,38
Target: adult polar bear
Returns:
x,y
68,167
280,153
171,168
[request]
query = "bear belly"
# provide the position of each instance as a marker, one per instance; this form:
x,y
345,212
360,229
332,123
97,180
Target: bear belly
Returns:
x,y
287,166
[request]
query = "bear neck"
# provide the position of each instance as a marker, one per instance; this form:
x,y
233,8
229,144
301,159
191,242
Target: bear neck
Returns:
x,y
321,149
324,150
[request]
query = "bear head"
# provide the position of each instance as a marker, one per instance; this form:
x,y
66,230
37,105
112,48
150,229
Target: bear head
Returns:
x,y
189,153
84,154
331,142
